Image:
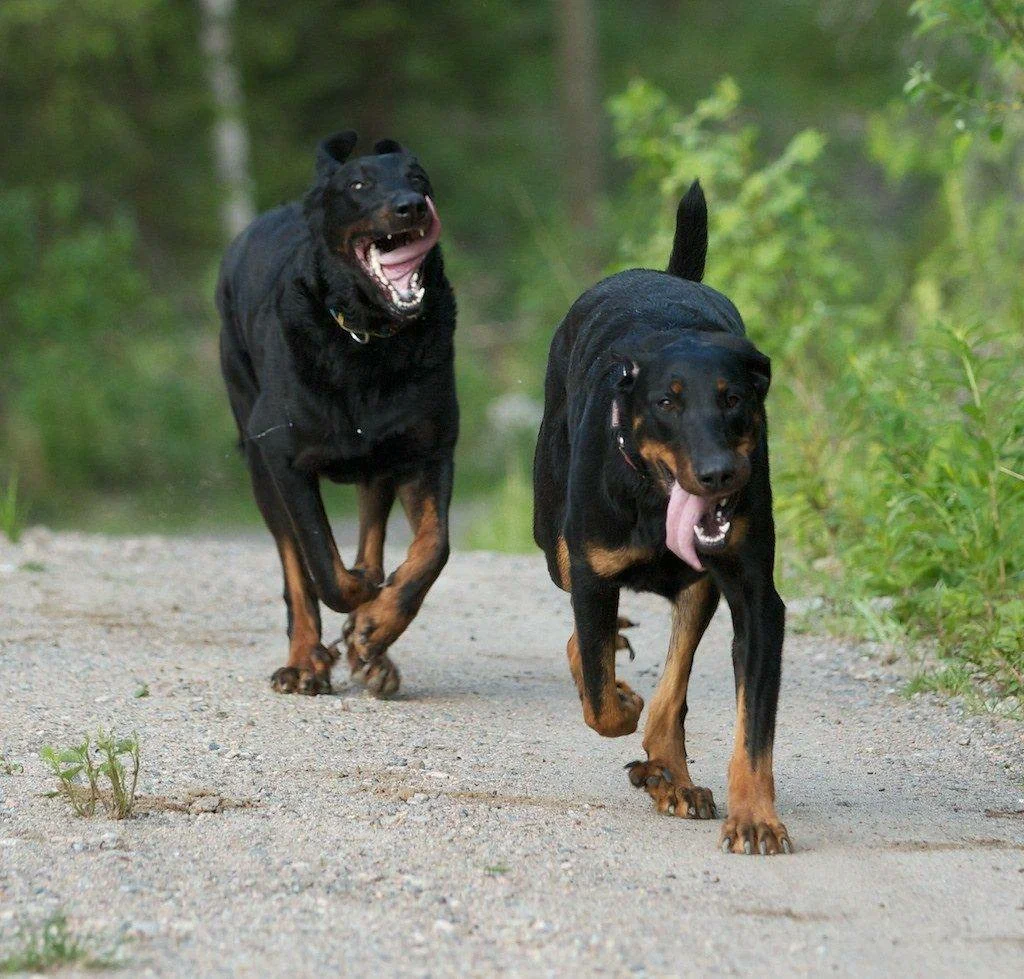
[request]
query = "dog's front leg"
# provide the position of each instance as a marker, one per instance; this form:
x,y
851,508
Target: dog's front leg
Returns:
x,y
339,588
610,706
758,614
373,627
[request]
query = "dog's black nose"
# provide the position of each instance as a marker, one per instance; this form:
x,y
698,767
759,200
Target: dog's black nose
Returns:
x,y
411,206
717,476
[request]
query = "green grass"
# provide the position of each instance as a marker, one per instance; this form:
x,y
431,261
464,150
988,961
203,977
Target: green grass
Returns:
x,y
52,945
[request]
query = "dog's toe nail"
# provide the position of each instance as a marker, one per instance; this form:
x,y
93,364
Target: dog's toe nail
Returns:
x,y
787,847
726,844
747,848
763,848
666,775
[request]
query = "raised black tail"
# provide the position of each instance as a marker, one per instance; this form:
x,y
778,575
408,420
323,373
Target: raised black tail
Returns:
x,y
690,248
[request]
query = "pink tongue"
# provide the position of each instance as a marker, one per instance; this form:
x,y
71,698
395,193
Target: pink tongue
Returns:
x,y
399,265
684,510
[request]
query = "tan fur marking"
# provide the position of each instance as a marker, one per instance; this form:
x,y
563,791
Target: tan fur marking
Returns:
x,y
608,562
664,737
374,506
562,559
620,706
751,785
305,634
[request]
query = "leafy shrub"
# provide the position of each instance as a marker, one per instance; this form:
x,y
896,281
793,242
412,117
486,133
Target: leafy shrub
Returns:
x,y
898,425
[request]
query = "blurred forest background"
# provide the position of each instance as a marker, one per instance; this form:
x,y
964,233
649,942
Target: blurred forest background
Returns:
x,y
864,163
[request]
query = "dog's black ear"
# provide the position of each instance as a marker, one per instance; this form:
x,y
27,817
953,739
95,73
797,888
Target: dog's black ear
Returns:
x,y
334,151
387,146
626,371
690,246
760,369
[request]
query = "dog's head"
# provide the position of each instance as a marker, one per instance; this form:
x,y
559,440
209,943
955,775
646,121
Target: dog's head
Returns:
x,y
376,215
695,407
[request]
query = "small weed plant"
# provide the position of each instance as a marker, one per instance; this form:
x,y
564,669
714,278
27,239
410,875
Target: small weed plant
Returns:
x,y
104,773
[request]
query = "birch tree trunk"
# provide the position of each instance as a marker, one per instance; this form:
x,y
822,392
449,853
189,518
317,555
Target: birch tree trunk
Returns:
x,y
230,134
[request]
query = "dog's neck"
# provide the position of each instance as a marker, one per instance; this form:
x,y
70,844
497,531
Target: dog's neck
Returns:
x,y
618,433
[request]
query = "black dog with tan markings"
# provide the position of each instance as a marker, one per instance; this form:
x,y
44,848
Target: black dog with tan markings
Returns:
x,y
651,473
337,350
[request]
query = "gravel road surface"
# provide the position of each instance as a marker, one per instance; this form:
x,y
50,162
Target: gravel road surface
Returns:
x,y
473,825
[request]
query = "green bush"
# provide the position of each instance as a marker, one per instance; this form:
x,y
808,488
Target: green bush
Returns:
x,y
898,424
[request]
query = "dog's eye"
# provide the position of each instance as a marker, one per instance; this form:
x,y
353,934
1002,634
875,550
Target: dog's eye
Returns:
x,y
356,185
732,400
666,404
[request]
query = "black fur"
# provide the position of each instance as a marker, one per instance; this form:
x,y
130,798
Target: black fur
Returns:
x,y
312,401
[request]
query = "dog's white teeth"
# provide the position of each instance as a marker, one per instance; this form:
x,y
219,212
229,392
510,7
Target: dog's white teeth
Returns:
x,y
423,232
725,527
389,237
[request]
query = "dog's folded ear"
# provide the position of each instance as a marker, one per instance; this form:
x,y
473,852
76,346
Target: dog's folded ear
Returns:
x,y
760,370
334,151
383,146
626,371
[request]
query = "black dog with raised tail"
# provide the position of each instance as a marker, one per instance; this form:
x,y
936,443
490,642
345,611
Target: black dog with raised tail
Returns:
x,y
651,473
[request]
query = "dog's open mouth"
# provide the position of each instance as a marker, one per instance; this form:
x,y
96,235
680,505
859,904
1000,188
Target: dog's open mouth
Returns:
x,y
394,262
697,523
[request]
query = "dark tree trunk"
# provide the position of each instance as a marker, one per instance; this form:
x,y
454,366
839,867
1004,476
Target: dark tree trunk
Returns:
x,y
580,109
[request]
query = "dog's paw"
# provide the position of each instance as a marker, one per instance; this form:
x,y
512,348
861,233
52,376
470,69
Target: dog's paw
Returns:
x,y
619,713
380,676
311,675
292,679
670,794
745,832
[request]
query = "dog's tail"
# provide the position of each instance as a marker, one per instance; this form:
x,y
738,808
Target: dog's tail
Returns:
x,y
690,247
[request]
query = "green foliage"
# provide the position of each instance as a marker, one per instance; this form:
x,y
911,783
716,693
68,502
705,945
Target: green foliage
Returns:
x,y
11,517
53,945
898,427
995,32
80,771
99,393
505,523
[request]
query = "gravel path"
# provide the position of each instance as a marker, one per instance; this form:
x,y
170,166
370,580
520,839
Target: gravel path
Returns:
x,y
474,825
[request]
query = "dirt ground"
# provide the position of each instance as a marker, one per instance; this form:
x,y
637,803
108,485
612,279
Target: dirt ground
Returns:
x,y
473,825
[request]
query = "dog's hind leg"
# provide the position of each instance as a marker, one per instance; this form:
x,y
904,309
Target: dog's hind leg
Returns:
x,y
375,501
665,775
610,706
752,825
373,627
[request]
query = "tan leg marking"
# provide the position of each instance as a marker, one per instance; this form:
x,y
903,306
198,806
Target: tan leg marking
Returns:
x,y
374,626
620,705
753,826
308,670
375,500
665,775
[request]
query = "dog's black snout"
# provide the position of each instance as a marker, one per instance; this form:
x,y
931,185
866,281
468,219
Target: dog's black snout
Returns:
x,y
413,207
717,475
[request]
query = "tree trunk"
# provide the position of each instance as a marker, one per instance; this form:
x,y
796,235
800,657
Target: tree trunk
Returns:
x,y
580,109
230,134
